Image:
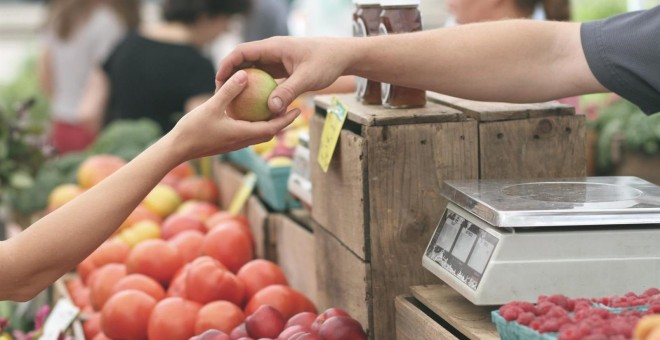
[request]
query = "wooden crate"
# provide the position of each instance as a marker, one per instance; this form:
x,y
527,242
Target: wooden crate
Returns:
x,y
379,202
469,320
541,140
439,312
291,244
380,199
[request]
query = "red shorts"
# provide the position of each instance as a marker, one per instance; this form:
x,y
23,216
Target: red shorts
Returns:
x,y
70,138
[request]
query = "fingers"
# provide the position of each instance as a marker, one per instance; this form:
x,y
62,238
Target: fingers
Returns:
x,y
290,89
230,89
269,128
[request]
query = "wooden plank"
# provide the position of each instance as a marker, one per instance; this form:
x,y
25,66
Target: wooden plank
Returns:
x,y
257,216
413,324
229,179
471,320
494,111
343,279
376,115
295,253
406,167
533,148
338,195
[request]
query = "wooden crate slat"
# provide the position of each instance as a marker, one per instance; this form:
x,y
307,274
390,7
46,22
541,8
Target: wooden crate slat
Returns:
x,y
495,111
376,115
413,324
343,278
471,320
338,195
295,253
407,165
549,147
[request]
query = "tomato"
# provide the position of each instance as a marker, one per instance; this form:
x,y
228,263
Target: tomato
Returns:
x,y
142,283
283,298
92,325
208,280
172,319
189,243
201,209
140,213
104,283
178,285
85,269
223,216
230,245
220,315
156,259
110,251
176,224
198,188
126,315
258,274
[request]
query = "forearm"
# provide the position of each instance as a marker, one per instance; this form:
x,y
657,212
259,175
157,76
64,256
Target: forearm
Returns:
x,y
60,240
516,61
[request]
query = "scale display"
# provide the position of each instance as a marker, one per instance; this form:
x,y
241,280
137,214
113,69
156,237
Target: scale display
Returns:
x,y
462,248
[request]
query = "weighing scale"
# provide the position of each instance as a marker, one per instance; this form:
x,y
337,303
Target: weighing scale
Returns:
x,y
505,240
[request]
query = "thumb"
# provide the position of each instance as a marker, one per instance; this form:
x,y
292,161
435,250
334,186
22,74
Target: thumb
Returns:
x,y
230,89
287,91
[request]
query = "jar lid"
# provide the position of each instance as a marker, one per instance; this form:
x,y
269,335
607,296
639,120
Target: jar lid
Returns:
x,y
391,3
366,2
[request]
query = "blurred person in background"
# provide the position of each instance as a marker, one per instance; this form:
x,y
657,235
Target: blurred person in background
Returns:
x,y
470,11
159,71
79,34
266,18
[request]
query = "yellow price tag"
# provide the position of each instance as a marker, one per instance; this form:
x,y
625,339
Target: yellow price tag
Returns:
x,y
334,120
243,193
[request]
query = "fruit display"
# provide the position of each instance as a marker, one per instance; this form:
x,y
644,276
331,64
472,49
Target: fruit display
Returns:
x,y
179,267
563,318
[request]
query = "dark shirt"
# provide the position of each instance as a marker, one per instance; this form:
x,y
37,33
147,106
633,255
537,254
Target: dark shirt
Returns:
x,y
623,52
152,79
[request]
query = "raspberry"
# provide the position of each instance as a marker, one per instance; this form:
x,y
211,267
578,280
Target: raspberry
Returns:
x,y
510,314
525,318
557,312
543,307
650,292
550,325
535,325
559,300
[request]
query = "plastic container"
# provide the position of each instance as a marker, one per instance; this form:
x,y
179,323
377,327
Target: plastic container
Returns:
x,y
400,16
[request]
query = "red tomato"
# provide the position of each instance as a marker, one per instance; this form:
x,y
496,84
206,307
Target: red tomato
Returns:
x,y
220,315
92,325
198,188
142,283
173,319
110,251
104,283
189,243
156,259
230,245
208,280
126,315
176,224
285,299
258,274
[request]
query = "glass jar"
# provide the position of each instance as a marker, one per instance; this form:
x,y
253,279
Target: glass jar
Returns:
x,y
400,16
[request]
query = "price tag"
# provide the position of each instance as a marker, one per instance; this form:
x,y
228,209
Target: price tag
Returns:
x,y
59,319
243,193
334,120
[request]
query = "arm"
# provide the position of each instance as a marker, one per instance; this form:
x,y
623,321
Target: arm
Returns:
x,y
32,260
95,98
516,60
46,72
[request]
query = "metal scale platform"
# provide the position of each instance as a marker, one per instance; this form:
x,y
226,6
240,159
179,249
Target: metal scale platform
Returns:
x,y
505,240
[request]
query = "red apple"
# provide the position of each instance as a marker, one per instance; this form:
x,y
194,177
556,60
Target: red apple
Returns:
x,y
330,312
239,332
252,103
304,319
265,322
198,188
342,327
176,224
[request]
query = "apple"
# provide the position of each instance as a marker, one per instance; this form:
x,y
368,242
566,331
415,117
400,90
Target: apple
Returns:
x,y
239,332
342,327
63,194
330,312
176,224
197,188
252,103
265,322
304,319
212,334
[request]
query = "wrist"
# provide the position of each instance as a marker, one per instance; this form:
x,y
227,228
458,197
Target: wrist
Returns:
x,y
173,146
357,61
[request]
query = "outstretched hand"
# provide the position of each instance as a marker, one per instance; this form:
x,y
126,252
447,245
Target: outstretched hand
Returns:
x,y
208,130
307,64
